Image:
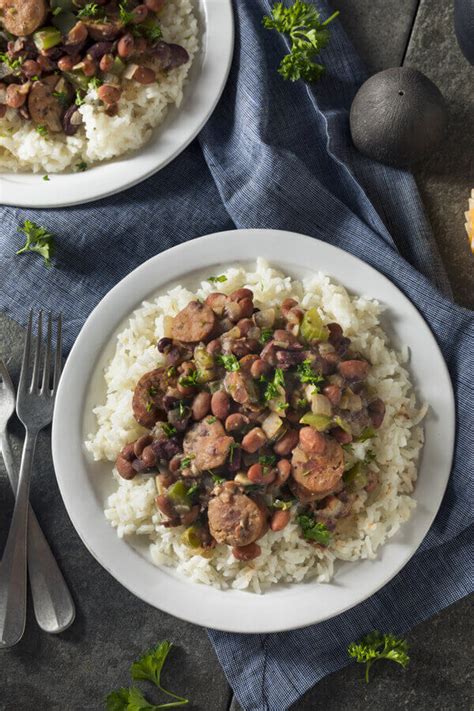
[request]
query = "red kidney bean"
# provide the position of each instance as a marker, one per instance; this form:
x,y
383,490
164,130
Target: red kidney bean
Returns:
x,y
148,456
141,443
253,440
260,367
155,5
15,96
249,552
279,520
286,443
165,506
30,68
312,441
126,46
109,94
220,405
333,394
341,435
376,410
335,333
283,472
287,305
236,422
77,34
260,475
244,325
201,405
106,63
144,75
217,301
354,369
139,14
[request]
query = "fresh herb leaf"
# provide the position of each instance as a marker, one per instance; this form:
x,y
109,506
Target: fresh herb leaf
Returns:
x,y
152,391
215,279
379,646
182,409
46,178
192,490
266,335
56,11
80,98
149,30
186,461
39,240
267,460
210,420
62,97
189,380
91,10
230,362
232,448
81,167
306,374
272,389
215,478
308,36
314,530
369,456
129,700
95,82
13,64
42,130
150,666
283,505
125,15
171,371
168,429
149,406
366,434
301,403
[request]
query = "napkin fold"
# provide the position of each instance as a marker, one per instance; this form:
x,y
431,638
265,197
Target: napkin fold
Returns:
x,y
277,154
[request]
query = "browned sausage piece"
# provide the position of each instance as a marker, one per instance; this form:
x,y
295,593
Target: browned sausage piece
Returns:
x,y
44,107
103,31
22,17
147,402
240,387
209,444
236,519
194,323
317,474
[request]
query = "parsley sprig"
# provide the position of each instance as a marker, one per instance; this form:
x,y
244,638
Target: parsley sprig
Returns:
x,y
377,645
272,389
306,374
39,240
147,668
314,530
308,35
229,362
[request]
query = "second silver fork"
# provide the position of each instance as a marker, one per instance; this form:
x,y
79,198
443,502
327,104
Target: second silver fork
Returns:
x,y
35,404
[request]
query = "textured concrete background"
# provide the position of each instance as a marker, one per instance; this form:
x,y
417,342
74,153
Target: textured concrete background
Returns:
x,y
74,671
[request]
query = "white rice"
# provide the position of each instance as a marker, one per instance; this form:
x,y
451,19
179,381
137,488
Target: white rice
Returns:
x,y
102,137
285,556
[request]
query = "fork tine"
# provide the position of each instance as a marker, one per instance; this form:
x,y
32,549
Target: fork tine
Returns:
x,y
5,379
23,383
37,362
58,356
47,356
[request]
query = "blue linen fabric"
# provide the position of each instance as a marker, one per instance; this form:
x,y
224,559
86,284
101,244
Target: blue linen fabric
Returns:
x,y
279,155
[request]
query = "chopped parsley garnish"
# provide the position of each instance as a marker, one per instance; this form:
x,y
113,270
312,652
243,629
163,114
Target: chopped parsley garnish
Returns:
x,y
125,15
313,530
232,448
62,97
80,98
266,335
272,389
149,30
302,403
186,461
147,668
92,10
149,406
369,456
13,64
308,36
306,374
168,429
375,646
216,479
46,178
42,130
152,391
283,505
189,380
95,82
171,371
56,11
230,362
267,460
210,420
39,240
192,489
216,279
182,409
81,167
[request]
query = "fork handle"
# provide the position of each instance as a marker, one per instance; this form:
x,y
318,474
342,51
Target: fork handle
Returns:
x,y
13,567
52,601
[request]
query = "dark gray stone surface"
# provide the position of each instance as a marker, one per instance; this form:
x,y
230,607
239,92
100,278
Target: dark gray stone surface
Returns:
x,y
74,671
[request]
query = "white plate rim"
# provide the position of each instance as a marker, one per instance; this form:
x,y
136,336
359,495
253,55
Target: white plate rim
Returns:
x,y
234,611
203,89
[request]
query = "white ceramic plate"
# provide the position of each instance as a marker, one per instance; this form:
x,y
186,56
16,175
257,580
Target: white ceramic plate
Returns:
x,y
85,485
203,88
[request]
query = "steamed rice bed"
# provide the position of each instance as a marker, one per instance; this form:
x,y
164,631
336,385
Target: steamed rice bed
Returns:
x,y
285,556
102,137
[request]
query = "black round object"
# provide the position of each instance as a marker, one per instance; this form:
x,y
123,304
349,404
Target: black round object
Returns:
x,y
398,116
464,27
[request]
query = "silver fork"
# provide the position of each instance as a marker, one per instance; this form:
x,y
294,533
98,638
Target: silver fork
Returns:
x,y
53,603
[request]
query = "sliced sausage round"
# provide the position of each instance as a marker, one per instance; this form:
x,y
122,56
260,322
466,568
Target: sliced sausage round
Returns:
x,y
194,323
316,474
147,402
236,519
208,443
44,107
22,17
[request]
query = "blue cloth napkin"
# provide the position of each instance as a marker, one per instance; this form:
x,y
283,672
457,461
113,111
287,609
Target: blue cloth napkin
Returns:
x,y
276,154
